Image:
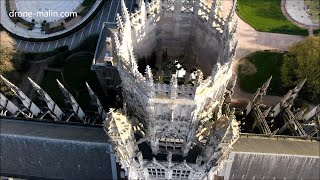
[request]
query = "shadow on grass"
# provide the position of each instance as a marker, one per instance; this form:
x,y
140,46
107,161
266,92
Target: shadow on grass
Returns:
x,y
267,64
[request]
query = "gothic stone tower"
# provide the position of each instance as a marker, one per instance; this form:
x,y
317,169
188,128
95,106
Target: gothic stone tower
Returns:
x,y
175,122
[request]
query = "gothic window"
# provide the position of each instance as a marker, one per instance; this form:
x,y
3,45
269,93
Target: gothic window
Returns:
x,y
156,172
180,174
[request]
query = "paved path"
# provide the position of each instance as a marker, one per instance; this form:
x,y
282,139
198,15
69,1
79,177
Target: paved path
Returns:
x,y
295,12
250,41
106,14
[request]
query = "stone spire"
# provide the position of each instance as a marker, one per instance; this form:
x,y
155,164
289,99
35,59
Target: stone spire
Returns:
x,y
214,11
149,76
27,103
95,101
232,12
287,100
257,98
53,107
77,110
133,62
297,89
125,13
7,105
119,23
229,22
142,7
173,86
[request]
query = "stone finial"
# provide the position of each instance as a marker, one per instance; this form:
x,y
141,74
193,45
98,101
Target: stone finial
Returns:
x,y
230,18
27,103
199,77
232,11
119,22
299,86
117,45
169,156
215,69
140,158
233,29
149,76
125,13
133,62
72,101
214,8
232,51
142,7
266,112
53,107
173,86
265,86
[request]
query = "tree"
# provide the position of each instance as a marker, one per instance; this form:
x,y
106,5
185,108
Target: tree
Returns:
x,y
6,53
303,61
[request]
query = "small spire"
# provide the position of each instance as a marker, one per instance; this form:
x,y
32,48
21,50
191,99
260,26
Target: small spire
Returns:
x,y
125,13
232,11
199,77
149,75
134,65
174,81
230,17
299,86
142,5
215,69
119,22
173,86
266,112
9,84
265,86
214,7
143,10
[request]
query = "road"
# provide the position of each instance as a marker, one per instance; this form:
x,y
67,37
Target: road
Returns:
x,y
106,14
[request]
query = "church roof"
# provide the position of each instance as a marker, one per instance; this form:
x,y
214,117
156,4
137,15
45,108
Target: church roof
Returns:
x,y
277,145
43,150
279,157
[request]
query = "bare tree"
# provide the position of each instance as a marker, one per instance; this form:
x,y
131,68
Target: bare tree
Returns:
x,y
6,53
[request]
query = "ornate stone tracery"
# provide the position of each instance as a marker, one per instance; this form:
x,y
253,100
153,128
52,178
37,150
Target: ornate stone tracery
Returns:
x,y
180,108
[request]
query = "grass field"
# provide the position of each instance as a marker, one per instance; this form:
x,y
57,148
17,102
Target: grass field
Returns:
x,y
266,16
266,64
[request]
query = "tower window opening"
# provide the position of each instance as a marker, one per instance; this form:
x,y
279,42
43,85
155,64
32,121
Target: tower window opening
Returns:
x,y
156,172
180,174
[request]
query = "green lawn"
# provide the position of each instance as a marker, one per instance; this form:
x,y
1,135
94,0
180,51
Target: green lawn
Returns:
x,y
266,16
267,64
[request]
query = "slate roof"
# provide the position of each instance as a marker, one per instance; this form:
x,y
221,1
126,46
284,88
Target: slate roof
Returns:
x,y
41,150
277,145
255,157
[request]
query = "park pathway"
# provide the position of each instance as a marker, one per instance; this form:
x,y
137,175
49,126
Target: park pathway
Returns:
x,y
250,41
